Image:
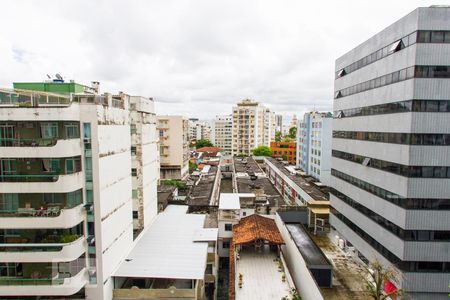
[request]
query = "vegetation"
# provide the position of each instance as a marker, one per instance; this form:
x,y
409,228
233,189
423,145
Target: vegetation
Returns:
x,y
292,133
68,238
278,136
203,143
174,182
192,167
379,275
262,151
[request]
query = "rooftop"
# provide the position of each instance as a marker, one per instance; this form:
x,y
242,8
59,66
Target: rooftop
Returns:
x,y
209,149
256,227
311,253
168,249
233,200
201,191
306,183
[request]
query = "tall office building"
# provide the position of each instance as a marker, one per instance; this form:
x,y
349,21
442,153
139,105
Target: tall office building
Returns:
x,y
222,132
279,123
173,146
391,151
66,196
253,126
314,145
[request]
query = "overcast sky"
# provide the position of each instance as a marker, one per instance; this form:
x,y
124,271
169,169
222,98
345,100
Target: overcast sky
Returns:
x,y
195,58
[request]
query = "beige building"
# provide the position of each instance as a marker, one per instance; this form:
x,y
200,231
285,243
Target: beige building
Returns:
x,y
253,126
173,146
222,133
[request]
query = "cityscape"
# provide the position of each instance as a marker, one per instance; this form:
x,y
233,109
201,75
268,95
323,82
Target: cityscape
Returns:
x,y
111,193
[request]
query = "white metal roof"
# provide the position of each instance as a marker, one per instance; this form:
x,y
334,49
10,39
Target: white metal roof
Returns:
x,y
205,235
231,200
168,248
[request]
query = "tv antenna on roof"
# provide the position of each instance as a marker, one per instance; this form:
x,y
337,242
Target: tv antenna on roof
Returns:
x,y
58,76
49,77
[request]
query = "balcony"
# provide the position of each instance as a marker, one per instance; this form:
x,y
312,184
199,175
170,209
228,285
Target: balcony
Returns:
x,y
47,217
29,253
54,183
40,148
58,285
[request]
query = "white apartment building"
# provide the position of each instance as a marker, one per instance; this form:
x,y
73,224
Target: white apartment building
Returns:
x,y
222,133
66,208
199,130
173,146
391,151
314,145
253,126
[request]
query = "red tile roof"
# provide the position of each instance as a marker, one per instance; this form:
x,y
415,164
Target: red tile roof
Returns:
x,y
256,227
209,149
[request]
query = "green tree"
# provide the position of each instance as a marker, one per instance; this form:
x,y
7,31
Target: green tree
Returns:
x,y
379,275
192,167
278,136
174,182
203,143
292,132
262,151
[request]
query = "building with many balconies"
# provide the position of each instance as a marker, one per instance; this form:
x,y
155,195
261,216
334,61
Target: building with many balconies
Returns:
x,y
69,158
173,146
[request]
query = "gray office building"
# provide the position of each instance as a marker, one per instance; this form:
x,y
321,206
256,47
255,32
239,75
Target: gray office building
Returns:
x,y
391,151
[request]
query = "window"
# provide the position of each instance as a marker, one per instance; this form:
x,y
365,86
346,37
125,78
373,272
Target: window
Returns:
x,y
49,130
133,150
225,245
244,213
133,128
134,194
133,172
228,227
135,214
72,130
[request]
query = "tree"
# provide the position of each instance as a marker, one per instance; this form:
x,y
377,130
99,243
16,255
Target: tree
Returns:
x,y
262,151
203,143
379,276
293,132
278,136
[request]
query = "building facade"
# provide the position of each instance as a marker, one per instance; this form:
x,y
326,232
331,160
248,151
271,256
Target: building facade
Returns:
x,y
253,126
391,154
173,146
199,130
285,150
314,145
66,178
222,133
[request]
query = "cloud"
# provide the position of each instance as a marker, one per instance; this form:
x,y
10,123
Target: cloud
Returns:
x,y
195,58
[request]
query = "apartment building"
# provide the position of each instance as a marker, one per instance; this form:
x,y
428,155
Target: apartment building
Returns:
x,y
199,130
253,126
314,145
222,133
284,150
66,207
173,146
391,155
279,123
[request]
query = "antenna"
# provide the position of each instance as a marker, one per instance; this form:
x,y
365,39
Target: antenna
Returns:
x,y
57,75
49,77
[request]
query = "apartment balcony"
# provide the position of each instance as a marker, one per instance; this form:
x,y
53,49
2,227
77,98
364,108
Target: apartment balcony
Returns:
x,y
47,217
36,253
17,148
53,183
58,285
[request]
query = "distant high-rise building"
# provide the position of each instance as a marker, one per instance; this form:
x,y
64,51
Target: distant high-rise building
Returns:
x,y
199,130
279,123
75,167
253,126
173,146
222,133
293,122
391,151
314,145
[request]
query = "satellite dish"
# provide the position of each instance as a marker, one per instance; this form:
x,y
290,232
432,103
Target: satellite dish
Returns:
x,y
58,76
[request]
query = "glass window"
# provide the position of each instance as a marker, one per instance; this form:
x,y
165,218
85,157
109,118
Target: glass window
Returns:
x,y
49,130
133,172
437,36
423,37
447,40
228,227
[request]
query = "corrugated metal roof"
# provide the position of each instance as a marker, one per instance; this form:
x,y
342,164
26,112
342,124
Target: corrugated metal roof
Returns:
x,y
168,248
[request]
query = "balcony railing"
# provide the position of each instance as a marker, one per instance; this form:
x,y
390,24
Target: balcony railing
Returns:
x,y
51,211
29,177
38,142
30,281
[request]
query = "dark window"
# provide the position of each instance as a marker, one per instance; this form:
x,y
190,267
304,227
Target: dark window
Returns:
x,y
228,227
133,150
225,245
133,172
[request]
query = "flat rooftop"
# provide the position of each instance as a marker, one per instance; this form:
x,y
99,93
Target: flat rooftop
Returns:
x,y
311,253
233,200
306,183
347,273
261,279
175,246
200,194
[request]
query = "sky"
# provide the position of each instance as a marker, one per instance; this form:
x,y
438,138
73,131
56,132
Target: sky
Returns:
x,y
194,57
